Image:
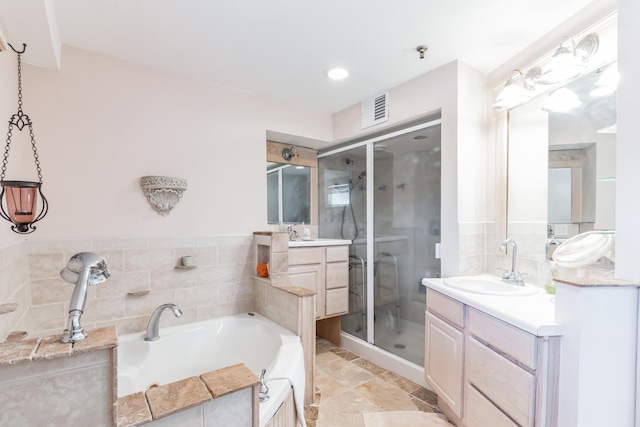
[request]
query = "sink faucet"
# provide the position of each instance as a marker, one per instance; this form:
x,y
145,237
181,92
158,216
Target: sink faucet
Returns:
x,y
83,269
291,232
511,276
154,321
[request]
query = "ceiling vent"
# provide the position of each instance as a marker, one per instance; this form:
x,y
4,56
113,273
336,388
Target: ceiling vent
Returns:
x,y
375,110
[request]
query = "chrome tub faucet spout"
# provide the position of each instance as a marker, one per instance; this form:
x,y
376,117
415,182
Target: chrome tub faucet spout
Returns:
x,y
154,322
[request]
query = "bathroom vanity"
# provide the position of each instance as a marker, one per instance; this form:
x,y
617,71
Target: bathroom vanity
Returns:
x,y
492,359
322,265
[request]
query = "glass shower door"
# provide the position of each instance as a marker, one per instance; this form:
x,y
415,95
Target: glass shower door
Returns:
x,y
343,215
407,229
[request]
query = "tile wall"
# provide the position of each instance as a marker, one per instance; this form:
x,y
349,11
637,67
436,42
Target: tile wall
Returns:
x,y
143,276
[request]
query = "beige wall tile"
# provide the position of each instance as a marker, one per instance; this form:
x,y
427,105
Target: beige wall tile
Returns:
x,y
45,266
48,316
120,284
47,291
173,279
149,259
103,309
144,305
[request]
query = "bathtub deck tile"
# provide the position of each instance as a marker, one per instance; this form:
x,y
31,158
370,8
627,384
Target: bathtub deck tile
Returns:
x,y
97,339
170,398
50,347
229,379
133,410
17,351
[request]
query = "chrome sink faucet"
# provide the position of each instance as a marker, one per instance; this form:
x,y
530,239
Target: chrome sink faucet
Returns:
x,y
154,321
511,276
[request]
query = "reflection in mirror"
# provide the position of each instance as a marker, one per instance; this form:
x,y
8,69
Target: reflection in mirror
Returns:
x,y
561,167
289,195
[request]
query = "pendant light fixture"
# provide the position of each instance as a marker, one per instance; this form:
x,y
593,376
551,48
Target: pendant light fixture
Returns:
x,y
18,199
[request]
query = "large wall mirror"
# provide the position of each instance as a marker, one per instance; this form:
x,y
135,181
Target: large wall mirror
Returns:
x,y
561,166
292,176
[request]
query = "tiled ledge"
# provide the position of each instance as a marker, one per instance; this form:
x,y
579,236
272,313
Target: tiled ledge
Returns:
x,y
597,282
161,401
50,348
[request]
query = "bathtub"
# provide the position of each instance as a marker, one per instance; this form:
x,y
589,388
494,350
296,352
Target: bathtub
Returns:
x,y
193,349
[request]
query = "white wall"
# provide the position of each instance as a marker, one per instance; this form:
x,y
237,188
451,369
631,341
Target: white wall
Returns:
x,y
456,89
102,123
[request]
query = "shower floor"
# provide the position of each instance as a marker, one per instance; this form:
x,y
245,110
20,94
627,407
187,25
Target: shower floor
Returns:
x,y
402,338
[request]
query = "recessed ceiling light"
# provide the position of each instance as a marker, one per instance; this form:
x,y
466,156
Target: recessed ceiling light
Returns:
x,y
337,73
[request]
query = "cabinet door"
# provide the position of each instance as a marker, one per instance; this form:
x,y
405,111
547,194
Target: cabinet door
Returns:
x,y
337,302
310,277
443,361
337,275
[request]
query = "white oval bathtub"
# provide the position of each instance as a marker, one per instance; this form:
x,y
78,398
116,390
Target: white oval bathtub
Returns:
x,y
196,348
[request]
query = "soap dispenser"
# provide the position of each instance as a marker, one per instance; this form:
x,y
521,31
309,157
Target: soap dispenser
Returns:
x,y
306,232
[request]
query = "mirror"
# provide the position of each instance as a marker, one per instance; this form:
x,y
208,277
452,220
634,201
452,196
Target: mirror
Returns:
x,y
288,194
292,174
561,167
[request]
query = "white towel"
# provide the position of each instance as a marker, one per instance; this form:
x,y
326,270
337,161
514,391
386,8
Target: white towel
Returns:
x,y
296,377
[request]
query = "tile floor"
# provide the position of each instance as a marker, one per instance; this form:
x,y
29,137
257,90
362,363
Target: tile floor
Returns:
x,y
347,386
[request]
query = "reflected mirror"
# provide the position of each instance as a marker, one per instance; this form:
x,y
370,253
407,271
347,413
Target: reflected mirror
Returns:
x,y
561,166
292,176
289,195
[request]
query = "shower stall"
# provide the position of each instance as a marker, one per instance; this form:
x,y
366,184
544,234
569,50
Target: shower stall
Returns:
x,y
383,194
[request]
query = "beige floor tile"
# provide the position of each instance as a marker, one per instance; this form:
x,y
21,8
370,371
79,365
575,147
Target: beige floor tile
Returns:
x,y
386,396
344,409
368,366
347,373
327,385
401,382
345,354
326,358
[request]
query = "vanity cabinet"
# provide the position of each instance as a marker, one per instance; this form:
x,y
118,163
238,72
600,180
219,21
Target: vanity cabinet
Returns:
x,y
444,345
324,270
487,372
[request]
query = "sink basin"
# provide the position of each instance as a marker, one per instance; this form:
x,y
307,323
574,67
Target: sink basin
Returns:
x,y
489,285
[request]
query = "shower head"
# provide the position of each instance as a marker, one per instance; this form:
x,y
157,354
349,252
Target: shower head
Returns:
x,y
83,269
96,265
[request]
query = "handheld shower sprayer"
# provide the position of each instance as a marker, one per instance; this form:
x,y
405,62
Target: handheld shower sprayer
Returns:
x,y
83,269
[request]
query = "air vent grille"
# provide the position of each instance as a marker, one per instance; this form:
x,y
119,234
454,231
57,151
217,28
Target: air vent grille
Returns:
x,y
375,110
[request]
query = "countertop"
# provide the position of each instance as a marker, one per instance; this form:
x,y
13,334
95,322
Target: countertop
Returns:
x,y
534,313
318,242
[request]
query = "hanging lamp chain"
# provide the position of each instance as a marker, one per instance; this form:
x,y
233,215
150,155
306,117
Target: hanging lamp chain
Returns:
x,y
20,120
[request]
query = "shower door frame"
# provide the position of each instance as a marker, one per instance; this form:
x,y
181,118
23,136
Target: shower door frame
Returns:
x,y
369,143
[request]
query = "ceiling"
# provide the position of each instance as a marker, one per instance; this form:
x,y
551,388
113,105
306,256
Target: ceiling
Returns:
x,y
280,49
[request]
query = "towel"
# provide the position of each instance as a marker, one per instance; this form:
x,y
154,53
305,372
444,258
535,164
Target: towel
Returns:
x,y
296,376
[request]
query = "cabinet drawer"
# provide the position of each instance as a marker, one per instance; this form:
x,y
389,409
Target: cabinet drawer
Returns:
x,y
300,256
447,308
337,253
337,275
443,361
336,301
516,343
510,387
482,413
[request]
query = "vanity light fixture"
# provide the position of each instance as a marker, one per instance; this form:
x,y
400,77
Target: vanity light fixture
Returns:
x,y
567,63
338,73
516,90
20,197
561,101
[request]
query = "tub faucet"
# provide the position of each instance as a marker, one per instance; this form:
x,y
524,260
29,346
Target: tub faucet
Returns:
x,y
264,390
154,321
511,276
83,269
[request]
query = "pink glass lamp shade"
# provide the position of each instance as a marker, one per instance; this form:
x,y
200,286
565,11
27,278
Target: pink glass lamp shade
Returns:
x,y
21,201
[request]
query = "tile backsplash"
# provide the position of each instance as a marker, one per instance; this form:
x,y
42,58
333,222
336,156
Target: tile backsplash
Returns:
x,y
143,276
